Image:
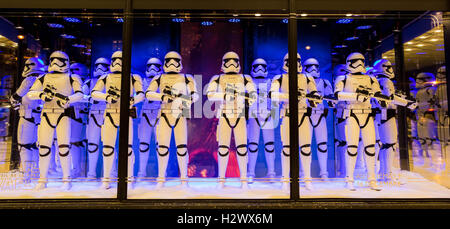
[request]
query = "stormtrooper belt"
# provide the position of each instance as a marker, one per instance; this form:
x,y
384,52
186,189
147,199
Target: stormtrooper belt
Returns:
x,y
232,111
97,111
301,110
112,110
360,111
53,110
319,111
171,111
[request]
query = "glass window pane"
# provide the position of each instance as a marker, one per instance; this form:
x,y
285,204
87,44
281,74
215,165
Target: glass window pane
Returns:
x,y
51,125
198,65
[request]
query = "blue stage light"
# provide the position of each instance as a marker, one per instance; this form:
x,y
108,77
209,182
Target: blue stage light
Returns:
x,y
344,21
178,20
362,27
120,20
340,46
285,20
351,38
67,36
421,53
207,23
79,46
55,25
234,20
72,19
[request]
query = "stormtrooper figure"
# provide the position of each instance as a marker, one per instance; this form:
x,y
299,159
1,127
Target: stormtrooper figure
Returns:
x,y
78,139
149,116
340,141
280,93
232,91
108,89
176,92
426,121
58,89
387,123
442,111
261,119
417,150
29,116
319,114
96,116
352,89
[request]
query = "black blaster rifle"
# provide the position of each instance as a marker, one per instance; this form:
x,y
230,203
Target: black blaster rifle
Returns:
x,y
382,99
231,89
174,94
312,98
50,91
114,92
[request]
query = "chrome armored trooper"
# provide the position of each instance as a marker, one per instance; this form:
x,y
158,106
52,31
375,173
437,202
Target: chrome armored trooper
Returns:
x,y
29,116
262,117
96,116
339,130
58,89
387,128
308,97
319,114
356,89
107,89
176,92
149,116
78,139
443,120
426,120
232,91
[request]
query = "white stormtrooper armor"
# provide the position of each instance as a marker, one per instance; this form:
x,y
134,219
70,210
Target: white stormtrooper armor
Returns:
x,y
58,89
29,116
426,120
108,89
442,111
340,141
280,93
261,118
359,116
149,116
319,114
96,116
176,92
416,147
387,128
78,139
232,91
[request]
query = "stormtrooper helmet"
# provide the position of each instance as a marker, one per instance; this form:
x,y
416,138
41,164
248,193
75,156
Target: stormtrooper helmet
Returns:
x,y
116,62
259,68
79,69
230,63
355,63
424,79
312,68
441,74
172,62
59,62
286,63
339,70
33,66
101,66
153,67
384,67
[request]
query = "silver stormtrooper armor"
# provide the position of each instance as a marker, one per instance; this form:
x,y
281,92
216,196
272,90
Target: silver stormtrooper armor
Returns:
x,y
356,89
319,114
386,120
232,91
149,116
29,116
340,141
262,117
443,120
108,89
96,116
426,120
280,93
78,139
58,89
176,92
